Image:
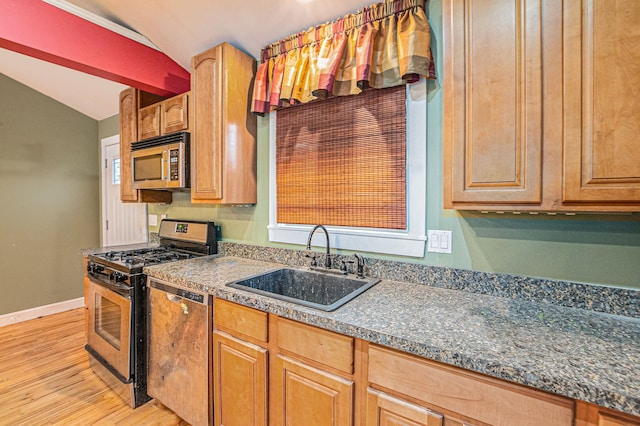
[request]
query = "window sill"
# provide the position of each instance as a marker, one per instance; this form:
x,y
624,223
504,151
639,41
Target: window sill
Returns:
x,y
357,239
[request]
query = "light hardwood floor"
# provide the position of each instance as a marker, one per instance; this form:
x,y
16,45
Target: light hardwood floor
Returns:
x,y
45,379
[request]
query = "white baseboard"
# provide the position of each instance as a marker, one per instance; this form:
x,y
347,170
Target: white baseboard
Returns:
x,y
41,311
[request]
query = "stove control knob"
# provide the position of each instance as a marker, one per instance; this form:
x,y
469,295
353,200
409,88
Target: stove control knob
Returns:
x,y
96,269
118,277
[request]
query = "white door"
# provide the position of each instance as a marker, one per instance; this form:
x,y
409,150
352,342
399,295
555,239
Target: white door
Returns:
x,y
123,223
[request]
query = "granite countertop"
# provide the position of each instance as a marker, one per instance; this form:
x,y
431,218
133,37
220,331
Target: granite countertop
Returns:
x,y
577,353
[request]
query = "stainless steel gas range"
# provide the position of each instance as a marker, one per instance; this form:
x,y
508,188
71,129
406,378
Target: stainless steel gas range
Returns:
x,y
117,302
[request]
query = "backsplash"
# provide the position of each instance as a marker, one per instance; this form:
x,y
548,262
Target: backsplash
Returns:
x,y
610,300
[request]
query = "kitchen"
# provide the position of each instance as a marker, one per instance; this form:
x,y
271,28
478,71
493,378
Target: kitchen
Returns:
x,y
599,249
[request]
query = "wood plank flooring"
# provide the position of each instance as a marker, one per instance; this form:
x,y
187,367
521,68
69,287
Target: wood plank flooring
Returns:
x,y
45,379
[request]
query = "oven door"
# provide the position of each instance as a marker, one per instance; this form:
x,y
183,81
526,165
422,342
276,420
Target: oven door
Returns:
x,y
109,328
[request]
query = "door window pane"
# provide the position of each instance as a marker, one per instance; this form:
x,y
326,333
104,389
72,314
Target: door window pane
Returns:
x,y
116,172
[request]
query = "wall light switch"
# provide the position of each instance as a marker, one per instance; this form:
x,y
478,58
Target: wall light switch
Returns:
x,y
153,220
439,241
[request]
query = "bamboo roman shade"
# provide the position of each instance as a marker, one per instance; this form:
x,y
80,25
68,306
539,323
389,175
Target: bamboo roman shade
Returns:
x,y
342,162
384,45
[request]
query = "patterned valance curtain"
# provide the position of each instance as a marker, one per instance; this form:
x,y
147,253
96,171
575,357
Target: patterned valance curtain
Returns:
x,y
383,45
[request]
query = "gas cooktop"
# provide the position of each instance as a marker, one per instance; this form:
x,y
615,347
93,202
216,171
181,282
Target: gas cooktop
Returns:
x,y
179,240
144,257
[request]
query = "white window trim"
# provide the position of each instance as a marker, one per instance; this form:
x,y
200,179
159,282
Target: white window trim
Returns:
x,y
409,242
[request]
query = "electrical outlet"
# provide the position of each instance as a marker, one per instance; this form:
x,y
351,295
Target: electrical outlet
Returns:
x,y
439,241
153,220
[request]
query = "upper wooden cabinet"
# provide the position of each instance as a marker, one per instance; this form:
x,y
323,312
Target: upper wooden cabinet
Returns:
x,y
223,144
539,105
130,100
128,134
493,103
168,116
602,102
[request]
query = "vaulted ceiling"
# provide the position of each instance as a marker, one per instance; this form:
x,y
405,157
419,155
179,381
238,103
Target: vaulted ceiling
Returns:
x,y
178,29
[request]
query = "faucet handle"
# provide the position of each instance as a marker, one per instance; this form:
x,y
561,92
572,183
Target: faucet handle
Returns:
x,y
314,263
360,267
344,269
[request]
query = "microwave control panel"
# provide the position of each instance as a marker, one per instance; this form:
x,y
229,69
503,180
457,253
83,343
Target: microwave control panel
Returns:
x,y
174,164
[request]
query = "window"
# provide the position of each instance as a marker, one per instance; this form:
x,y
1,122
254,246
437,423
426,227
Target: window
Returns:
x,y
115,178
407,239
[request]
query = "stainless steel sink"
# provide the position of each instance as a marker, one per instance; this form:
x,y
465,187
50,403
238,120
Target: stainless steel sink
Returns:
x,y
318,290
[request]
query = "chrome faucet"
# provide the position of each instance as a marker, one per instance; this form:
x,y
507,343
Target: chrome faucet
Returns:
x,y
327,260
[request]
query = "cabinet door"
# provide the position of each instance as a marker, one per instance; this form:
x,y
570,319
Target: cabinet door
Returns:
x,y
492,102
303,395
223,130
149,122
174,114
593,415
206,132
128,134
385,410
602,102
240,387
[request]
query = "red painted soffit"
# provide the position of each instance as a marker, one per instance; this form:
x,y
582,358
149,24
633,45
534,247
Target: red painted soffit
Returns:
x,y
37,29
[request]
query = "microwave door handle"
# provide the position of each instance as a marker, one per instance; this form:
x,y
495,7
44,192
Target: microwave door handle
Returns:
x,y
165,163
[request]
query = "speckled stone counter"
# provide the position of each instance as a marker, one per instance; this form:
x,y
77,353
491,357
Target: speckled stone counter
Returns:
x,y
578,353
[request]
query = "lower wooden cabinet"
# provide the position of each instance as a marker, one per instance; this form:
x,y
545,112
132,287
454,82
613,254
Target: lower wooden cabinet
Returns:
x,y
304,395
240,385
270,370
465,395
592,415
386,410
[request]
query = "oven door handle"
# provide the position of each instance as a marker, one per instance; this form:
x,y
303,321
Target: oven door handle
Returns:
x,y
173,298
121,289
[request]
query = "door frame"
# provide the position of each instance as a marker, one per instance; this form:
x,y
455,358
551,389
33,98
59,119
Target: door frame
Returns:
x,y
103,184
111,140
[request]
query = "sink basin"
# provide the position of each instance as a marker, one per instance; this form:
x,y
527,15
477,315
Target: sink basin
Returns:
x,y
318,290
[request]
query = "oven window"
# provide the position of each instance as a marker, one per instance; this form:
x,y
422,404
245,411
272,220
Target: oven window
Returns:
x,y
107,321
147,168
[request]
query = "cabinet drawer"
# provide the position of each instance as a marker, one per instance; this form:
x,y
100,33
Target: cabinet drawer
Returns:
x,y
315,344
240,321
470,394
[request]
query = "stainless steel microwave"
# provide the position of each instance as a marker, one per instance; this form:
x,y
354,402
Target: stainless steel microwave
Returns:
x,y
161,162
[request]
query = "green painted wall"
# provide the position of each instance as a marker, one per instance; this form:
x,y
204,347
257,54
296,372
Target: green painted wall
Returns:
x,y
602,249
49,208
109,127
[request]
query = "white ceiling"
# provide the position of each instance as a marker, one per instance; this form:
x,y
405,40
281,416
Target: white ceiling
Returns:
x,y
180,30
